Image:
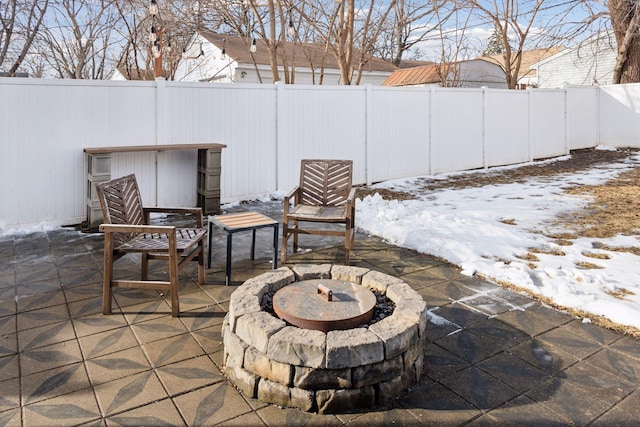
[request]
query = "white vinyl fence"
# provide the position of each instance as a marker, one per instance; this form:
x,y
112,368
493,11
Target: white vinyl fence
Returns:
x,y
388,133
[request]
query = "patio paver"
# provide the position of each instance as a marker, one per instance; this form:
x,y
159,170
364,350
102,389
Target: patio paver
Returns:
x,y
493,356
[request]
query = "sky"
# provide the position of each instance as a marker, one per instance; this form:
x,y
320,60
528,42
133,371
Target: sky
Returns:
x,y
484,230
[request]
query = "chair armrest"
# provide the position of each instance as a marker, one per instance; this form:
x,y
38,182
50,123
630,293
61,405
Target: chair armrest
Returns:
x,y
129,228
352,196
291,193
287,200
193,211
350,206
154,209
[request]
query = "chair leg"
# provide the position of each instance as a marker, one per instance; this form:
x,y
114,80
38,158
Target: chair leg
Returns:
x,y
173,275
144,266
201,262
347,247
173,287
348,241
285,237
295,236
107,291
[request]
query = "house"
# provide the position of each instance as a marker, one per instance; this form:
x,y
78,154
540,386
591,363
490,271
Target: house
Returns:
x,y
470,73
589,63
122,73
223,58
527,77
16,74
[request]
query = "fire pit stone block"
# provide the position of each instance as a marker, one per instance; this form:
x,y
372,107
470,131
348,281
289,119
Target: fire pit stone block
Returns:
x,y
379,281
300,347
318,379
415,311
348,273
331,372
244,380
353,347
241,304
256,328
377,372
234,348
402,291
397,334
335,401
258,363
312,271
271,391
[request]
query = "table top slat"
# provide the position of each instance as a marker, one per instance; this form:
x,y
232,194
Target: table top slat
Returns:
x,y
166,147
242,220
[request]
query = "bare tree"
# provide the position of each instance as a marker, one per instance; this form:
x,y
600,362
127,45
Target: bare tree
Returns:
x,y
264,19
625,20
452,48
20,21
515,23
175,23
412,23
349,30
133,58
77,38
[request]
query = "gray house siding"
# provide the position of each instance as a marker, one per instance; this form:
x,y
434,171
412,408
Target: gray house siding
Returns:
x,y
589,63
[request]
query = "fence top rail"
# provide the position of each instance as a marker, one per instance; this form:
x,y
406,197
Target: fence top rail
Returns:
x,y
167,147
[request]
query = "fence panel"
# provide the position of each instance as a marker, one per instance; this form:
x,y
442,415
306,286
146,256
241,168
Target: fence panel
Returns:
x,y
507,127
397,133
243,118
53,121
582,117
620,115
389,133
319,122
548,123
11,138
456,130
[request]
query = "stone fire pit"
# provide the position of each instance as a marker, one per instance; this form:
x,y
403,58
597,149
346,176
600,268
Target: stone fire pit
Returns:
x,y
332,372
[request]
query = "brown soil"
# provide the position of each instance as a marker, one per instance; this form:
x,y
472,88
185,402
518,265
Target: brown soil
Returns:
x,y
614,209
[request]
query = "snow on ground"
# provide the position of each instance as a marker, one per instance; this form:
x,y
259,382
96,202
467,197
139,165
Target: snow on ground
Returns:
x,y
485,230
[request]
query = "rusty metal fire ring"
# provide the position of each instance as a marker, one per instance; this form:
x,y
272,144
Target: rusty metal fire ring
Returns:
x,y
324,304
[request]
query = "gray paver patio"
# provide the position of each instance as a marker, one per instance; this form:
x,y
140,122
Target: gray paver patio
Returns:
x,y
493,356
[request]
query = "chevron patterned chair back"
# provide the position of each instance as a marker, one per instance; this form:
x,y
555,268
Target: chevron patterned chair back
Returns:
x,y
324,195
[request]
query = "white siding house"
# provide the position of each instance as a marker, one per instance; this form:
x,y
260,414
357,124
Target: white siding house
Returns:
x,y
203,61
589,63
527,76
471,73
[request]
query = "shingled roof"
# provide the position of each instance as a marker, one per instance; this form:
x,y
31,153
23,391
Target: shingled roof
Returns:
x,y
426,74
304,54
529,57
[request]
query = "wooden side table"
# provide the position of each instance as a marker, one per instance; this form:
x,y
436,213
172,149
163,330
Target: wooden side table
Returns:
x,y
244,221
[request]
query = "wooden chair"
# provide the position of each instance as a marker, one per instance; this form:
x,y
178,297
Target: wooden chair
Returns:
x,y
126,227
324,195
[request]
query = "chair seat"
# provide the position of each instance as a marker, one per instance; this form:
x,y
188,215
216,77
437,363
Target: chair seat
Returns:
x,y
318,213
186,238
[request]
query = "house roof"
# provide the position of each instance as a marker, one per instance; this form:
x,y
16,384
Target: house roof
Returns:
x,y
136,73
425,74
304,54
529,57
410,63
